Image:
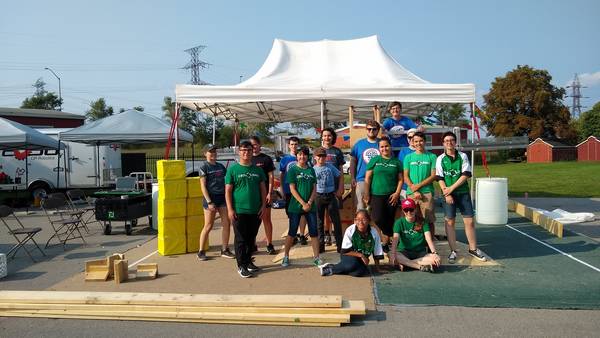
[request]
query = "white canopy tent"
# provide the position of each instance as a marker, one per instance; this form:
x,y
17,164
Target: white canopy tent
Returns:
x,y
15,136
317,81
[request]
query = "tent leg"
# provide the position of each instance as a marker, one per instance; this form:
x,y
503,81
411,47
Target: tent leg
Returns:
x,y
322,114
97,165
214,128
472,107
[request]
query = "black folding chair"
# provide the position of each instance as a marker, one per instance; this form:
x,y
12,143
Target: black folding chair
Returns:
x,y
19,232
69,210
79,201
65,225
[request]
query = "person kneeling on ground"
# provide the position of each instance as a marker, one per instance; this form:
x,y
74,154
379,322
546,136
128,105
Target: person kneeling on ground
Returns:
x,y
411,234
360,242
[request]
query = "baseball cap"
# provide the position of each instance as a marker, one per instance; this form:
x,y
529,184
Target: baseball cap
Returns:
x,y
411,131
408,203
209,147
320,152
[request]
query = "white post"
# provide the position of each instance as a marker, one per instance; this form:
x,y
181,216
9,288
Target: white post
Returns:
x,y
472,105
176,130
214,127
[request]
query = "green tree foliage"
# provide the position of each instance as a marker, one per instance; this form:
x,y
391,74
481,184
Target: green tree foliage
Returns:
x,y
524,102
589,123
138,108
41,99
451,115
98,110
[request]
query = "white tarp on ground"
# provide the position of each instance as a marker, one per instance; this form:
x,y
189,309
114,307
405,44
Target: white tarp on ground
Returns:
x,y
566,217
128,127
297,76
15,136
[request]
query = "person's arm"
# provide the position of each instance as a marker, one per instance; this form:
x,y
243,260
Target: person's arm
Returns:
x,y
395,196
311,199
263,193
211,205
353,171
296,195
271,181
431,245
366,194
340,192
229,200
426,181
392,255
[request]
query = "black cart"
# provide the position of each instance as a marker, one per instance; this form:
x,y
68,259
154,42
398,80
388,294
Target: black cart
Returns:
x,y
125,206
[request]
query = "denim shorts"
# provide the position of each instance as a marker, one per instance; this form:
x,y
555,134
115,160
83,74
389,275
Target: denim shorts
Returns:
x,y
311,221
462,202
218,200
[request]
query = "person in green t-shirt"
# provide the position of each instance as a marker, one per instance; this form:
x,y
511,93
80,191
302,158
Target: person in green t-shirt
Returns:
x,y
453,171
412,237
303,186
383,184
244,206
419,174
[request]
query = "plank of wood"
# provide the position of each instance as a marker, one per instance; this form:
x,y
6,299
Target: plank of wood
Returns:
x,y
208,321
551,225
96,270
350,307
182,299
110,262
147,271
96,276
120,270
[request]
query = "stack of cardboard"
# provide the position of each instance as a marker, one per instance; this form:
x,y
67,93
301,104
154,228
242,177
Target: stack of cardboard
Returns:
x,y
172,207
195,215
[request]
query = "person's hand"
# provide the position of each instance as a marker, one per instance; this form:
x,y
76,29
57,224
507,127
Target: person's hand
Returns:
x,y
421,128
393,200
436,259
417,195
392,259
268,199
365,259
306,207
340,192
353,183
366,198
261,210
231,214
449,199
212,207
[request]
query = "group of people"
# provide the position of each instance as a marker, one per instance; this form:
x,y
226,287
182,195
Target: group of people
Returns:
x,y
388,173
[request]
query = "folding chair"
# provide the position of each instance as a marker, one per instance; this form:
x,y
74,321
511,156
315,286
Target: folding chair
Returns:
x,y
79,201
19,232
68,209
64,224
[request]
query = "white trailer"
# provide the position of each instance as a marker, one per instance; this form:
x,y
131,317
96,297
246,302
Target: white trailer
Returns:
x,y
79,166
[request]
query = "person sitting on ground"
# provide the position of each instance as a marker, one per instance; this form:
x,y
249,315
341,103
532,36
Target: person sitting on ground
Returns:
x,y
411,239
212,183
360,242
303,186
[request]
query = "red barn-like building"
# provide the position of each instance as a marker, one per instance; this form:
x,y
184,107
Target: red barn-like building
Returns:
x,y
589,150
545,151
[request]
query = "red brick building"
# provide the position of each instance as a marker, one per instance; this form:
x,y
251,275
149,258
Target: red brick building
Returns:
x,y
589,150
545,151
40,118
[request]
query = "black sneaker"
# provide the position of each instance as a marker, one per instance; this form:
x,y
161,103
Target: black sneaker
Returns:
x,y
202,256
271,249
244,273
303,240
321,248
227,254
386,248
252,268
327,239
478,254
297,239
255,248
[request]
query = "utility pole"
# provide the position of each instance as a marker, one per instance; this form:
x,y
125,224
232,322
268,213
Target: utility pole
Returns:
x,y
576,95
195,64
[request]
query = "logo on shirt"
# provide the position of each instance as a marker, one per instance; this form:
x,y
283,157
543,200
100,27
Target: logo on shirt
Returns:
x,y
396,131
248,176
385,165
368,154
451,172
304,176
420,163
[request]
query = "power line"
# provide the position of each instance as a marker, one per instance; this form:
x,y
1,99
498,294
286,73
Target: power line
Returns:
x,y
576,95
195,64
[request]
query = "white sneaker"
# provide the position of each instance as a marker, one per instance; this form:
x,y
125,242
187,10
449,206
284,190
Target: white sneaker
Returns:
x,y
325,269
452,257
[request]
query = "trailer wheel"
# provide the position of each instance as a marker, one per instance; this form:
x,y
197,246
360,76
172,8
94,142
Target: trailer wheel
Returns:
x,y
134,222
128,228
39,189
107,228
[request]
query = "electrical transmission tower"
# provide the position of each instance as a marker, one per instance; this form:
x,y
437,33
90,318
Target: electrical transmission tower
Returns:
x,y
576,95
195,64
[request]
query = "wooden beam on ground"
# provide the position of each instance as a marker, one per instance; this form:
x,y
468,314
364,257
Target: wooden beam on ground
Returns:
x,y
121,270
553,226
96,270
147,271
110,261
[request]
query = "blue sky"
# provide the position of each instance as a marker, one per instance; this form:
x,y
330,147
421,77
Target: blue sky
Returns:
x,y
131,52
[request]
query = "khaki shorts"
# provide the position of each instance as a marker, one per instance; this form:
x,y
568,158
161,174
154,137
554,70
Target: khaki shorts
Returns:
x,y
360,190
427,206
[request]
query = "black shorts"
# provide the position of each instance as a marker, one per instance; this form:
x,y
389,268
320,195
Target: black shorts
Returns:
x,y
413,254
218,200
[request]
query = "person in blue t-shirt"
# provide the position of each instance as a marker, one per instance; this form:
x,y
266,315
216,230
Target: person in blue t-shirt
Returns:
x,y
327,175
286,162
396,126
362,152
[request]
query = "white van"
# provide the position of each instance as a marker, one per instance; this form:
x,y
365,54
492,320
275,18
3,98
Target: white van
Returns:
x,y
77,167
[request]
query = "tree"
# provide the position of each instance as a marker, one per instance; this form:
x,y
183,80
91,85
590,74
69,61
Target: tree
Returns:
x,y
589,123
41,99
187,117
524,102
98,110
451,115
138,108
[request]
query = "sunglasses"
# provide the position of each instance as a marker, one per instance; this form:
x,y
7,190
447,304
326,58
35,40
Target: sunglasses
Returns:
x,y
372,129
408,210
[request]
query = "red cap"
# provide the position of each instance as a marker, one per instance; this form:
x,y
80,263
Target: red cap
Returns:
x,y
408,203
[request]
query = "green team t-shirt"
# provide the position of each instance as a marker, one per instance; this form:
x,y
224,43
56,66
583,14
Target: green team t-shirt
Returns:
x,y
305,180
246,181
419,167
450,169
385,174
410,239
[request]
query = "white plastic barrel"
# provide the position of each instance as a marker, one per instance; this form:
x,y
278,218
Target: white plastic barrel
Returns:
x,y
492,200
154,206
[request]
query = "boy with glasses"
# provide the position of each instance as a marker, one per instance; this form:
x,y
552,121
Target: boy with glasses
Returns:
x,y
362,152
453,170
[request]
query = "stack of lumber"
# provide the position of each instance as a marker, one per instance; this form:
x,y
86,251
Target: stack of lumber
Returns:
x,y
196,308
172,202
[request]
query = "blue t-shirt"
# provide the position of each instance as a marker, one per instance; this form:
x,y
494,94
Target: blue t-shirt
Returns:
x,y
401,155
363,151
396,130
285,164
326,177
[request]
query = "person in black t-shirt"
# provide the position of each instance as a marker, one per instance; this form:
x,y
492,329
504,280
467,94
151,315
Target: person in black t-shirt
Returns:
x,y
265,162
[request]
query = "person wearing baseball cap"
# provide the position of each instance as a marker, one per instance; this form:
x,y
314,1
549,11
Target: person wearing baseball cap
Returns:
x,y
327,175
411,240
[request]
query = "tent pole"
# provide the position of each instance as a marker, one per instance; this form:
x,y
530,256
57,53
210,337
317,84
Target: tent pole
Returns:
x,y
97,164
322,114
214,127
472,106
176,133
65,164
57,164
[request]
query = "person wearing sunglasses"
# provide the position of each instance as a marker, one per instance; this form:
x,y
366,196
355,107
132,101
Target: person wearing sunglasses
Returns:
x,y
396,126
412,237
245,193
362,152
383,183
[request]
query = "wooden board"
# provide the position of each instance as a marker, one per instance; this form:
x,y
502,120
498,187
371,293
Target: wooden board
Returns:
x,y
147,271
121,272
96,276
96,270
553,226
135,298
110,261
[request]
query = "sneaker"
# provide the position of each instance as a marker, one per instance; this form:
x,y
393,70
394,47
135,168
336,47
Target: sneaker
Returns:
x,y
303,240
297,239
386,248
325,269
321,248
244,273
227,254
252,268
271,249
285,262
478,254
202,256
426,268
317,261
452,257
327,239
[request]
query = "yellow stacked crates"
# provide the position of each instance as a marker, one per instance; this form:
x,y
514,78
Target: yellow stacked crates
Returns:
x,y
172,207
195,215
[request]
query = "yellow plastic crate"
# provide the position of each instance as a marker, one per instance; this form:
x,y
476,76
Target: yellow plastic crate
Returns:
x,y
170,169
194,207
193,187
193,244
172,189
193,228
171,208
173,245
168,227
